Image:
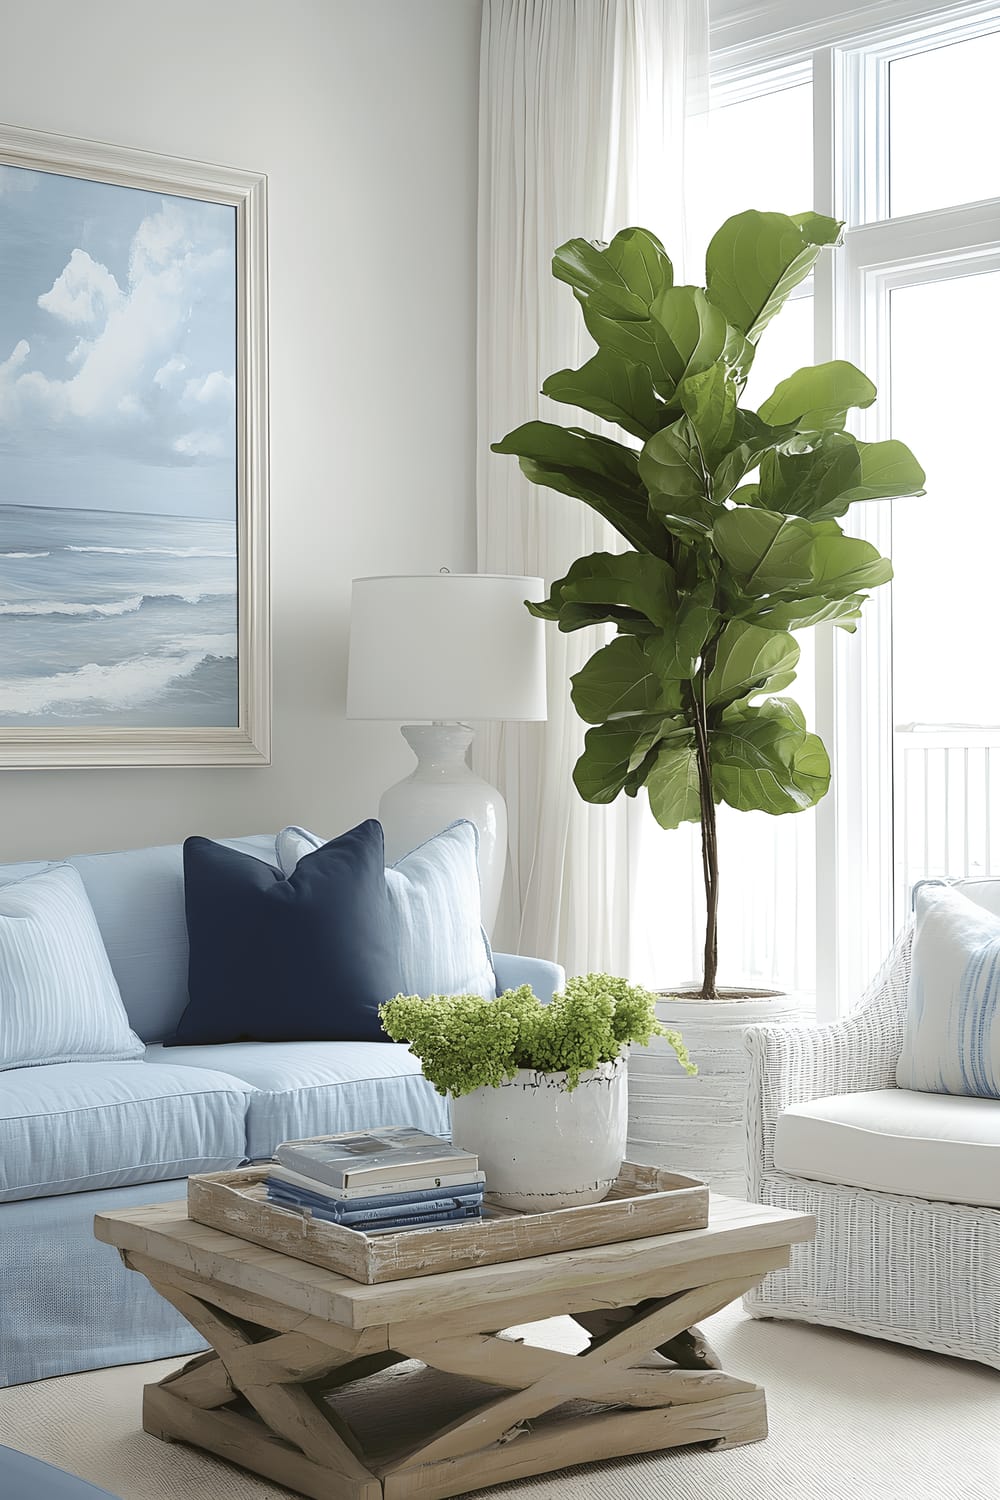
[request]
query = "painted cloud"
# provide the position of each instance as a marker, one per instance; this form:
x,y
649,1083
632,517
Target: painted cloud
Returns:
x,y
126,364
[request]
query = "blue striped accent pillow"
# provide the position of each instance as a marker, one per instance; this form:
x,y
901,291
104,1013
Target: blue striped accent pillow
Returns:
x,y
59,1001
437,934
951,1035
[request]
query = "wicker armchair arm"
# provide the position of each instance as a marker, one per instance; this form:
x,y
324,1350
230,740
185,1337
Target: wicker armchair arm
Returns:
x,y
791,1064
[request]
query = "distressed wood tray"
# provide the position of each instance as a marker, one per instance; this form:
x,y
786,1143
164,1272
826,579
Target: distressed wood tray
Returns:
x,y
644,1201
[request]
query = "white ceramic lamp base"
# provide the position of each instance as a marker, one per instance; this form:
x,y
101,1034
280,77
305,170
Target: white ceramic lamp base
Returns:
x,y
441,790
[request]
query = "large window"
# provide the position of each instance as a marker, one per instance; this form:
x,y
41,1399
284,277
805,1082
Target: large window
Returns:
x,y
894,132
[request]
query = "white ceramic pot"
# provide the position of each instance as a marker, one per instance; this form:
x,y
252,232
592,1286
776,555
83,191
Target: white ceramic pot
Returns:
x,y
543,1146
696,1124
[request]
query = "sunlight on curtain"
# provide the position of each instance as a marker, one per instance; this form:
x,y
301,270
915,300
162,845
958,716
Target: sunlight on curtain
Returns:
x,y
582,127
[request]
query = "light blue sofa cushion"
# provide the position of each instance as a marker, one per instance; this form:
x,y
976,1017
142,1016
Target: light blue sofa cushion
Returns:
x,y
435,910
317,1088
73,1127
138,900
58,997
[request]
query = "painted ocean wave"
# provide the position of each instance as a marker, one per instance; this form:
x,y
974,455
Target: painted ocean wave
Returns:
x,y
140,552
117,618
110,607
123,684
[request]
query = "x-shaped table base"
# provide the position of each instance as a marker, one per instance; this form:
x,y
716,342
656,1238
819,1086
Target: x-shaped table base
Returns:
x,y
267,1398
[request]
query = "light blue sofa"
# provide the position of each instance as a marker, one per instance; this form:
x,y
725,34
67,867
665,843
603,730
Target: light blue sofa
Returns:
x,y
81,1138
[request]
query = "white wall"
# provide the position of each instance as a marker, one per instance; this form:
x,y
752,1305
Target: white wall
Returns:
x,y
363,113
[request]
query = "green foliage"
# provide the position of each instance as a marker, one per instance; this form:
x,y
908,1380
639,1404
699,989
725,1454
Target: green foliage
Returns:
x,y
731,520
465,1042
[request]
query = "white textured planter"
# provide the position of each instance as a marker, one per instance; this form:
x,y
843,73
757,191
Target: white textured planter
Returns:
x,y
696,1125
542,1146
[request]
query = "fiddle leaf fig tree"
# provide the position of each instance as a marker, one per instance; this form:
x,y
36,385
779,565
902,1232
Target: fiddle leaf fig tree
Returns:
x,y
731,520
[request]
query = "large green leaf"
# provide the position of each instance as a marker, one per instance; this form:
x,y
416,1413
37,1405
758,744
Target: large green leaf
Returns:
x,y
844,565
602,473
709,402
683,335
673,730
797,614
815,483
887,469
690,333
764,759
670,468
756,260
620,279
795,558
674,654
747,658
766,552
595,591
619,679
672,784
614,389
617,756
634,340
818,396
751,439
610,585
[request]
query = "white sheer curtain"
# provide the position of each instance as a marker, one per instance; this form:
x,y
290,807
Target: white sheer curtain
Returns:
x,y
583,114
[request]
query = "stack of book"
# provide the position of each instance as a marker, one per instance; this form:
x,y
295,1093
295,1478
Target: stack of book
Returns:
x,y
377,1180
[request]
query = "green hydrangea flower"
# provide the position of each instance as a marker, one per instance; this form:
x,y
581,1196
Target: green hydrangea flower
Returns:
x,y
465,1042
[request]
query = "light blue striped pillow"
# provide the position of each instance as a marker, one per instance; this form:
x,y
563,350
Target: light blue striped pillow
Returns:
x,y
951,1035
435,906
59,1001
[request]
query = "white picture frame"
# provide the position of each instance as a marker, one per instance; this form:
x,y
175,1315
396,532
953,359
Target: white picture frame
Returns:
x,y
108,735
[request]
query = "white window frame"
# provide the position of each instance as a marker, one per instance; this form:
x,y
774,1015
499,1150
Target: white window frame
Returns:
x,y
847,56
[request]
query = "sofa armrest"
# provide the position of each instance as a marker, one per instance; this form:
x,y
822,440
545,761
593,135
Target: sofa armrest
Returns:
x,y
513,969
792,1064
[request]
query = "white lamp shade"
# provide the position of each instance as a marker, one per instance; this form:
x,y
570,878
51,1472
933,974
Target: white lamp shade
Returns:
x,y
447,646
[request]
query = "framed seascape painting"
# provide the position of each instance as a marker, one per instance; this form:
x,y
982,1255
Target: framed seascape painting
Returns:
x,y
134,626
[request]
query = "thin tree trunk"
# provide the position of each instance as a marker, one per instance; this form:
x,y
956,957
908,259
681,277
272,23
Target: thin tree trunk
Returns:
x,y
709,852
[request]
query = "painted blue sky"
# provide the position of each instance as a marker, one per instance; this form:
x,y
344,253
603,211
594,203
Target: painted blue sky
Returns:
x,y
117,348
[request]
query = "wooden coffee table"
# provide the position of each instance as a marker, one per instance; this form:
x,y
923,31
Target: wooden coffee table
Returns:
x,y
407,1389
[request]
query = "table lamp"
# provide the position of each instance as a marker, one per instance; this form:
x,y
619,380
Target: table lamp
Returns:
x,y
446,648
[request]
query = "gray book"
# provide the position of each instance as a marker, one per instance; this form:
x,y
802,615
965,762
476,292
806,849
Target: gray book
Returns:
x,y
363,1158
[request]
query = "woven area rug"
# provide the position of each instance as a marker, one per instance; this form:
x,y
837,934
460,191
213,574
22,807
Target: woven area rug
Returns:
x,y
851,1419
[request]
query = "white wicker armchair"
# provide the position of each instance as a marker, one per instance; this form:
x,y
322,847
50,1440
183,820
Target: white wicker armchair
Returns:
x,y
919,1272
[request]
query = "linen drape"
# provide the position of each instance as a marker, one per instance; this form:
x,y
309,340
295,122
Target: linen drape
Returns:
x,y
584,110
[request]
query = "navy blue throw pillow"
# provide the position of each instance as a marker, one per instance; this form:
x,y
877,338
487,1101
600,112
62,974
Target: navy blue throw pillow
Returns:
x,y
274,959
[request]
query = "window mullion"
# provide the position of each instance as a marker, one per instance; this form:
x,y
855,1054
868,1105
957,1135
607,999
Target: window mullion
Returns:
x,y
854,830
828,194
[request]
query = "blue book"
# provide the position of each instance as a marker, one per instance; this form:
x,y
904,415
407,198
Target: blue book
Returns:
x,y
315,1198
463,1213
422,1221
355,1214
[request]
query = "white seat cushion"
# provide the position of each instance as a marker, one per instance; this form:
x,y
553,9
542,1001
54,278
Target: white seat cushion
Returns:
x,y
945,1147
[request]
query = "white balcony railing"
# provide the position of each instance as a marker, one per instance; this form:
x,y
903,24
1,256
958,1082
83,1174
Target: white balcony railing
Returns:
x,y
946,804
